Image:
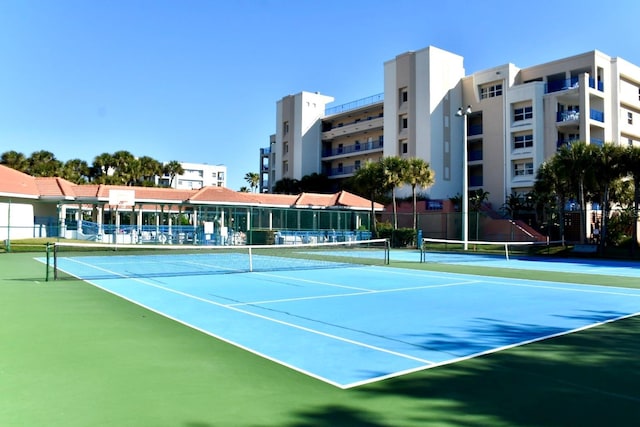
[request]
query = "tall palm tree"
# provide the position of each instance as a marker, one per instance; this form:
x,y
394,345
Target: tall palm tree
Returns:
x,y
287,186
103,166
15,160
632,166
173,169
44,163
574,163
76,171
417,173
126,167
369,181
149,169
393,167
608,167
253,179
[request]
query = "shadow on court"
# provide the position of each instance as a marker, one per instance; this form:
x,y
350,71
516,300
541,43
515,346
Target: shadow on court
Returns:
x,y
585,379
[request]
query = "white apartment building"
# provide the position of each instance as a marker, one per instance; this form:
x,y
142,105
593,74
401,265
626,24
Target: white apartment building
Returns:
x,y
519,117
196,176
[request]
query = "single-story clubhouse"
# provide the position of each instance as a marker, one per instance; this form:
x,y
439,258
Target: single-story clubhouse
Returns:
x,y
54,207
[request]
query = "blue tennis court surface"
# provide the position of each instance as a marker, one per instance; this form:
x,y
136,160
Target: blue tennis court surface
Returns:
x,y
565,265
351,326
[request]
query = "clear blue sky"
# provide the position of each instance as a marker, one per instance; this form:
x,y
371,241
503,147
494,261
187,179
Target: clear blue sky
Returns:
x,y
198,80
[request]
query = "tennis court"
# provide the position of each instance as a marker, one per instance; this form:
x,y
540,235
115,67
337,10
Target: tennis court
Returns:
x,y
351,324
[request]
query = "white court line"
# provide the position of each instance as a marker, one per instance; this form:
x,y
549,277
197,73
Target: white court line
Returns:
x,y
573,287
510,281
292,325
369,292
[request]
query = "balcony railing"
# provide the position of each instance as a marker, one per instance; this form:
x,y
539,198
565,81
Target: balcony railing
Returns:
x,y
596,85
354,148
474,130
567,116
563,84
475,181
572,83
596,115
354,104
475,155
344,170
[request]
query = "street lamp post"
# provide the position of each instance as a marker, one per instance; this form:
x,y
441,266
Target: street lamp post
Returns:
x,y
465,180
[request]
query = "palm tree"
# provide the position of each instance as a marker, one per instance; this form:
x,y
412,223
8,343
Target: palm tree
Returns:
x,y
15,160
574,163
44,163
632,167
370,181
417,173
315,183
253,179
76,171
393,167
287,186
149,169
476,199
608,167
102,169
173,169
244,189
126,167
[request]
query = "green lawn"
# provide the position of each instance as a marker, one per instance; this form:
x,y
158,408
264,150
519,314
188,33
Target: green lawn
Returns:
x,y
73,355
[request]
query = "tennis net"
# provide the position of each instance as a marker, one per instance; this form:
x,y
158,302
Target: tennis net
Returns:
x,y
98,260
445,250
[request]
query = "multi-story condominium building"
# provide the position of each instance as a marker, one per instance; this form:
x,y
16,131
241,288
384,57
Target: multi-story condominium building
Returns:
x,y
517,118
197,175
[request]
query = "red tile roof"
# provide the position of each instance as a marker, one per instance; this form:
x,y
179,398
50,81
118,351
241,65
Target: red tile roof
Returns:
x,y
17,184
13,182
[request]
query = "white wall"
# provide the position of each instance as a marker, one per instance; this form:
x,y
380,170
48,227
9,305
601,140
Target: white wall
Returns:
x,y
19,217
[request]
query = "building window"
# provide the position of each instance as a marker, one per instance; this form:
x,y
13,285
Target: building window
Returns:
x,y
340,148
340,167
357,146
285,167
490,91
630,117
404,121
404,95
404,146
522,113
285,128
357,165
523,168
221,176
522,141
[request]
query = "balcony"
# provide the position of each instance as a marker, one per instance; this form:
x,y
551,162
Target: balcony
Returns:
x,y
475,155
475,181
563,84
343,170
354,104
567,116
357,126
596,115
474,130
572,83
362,147
593,84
